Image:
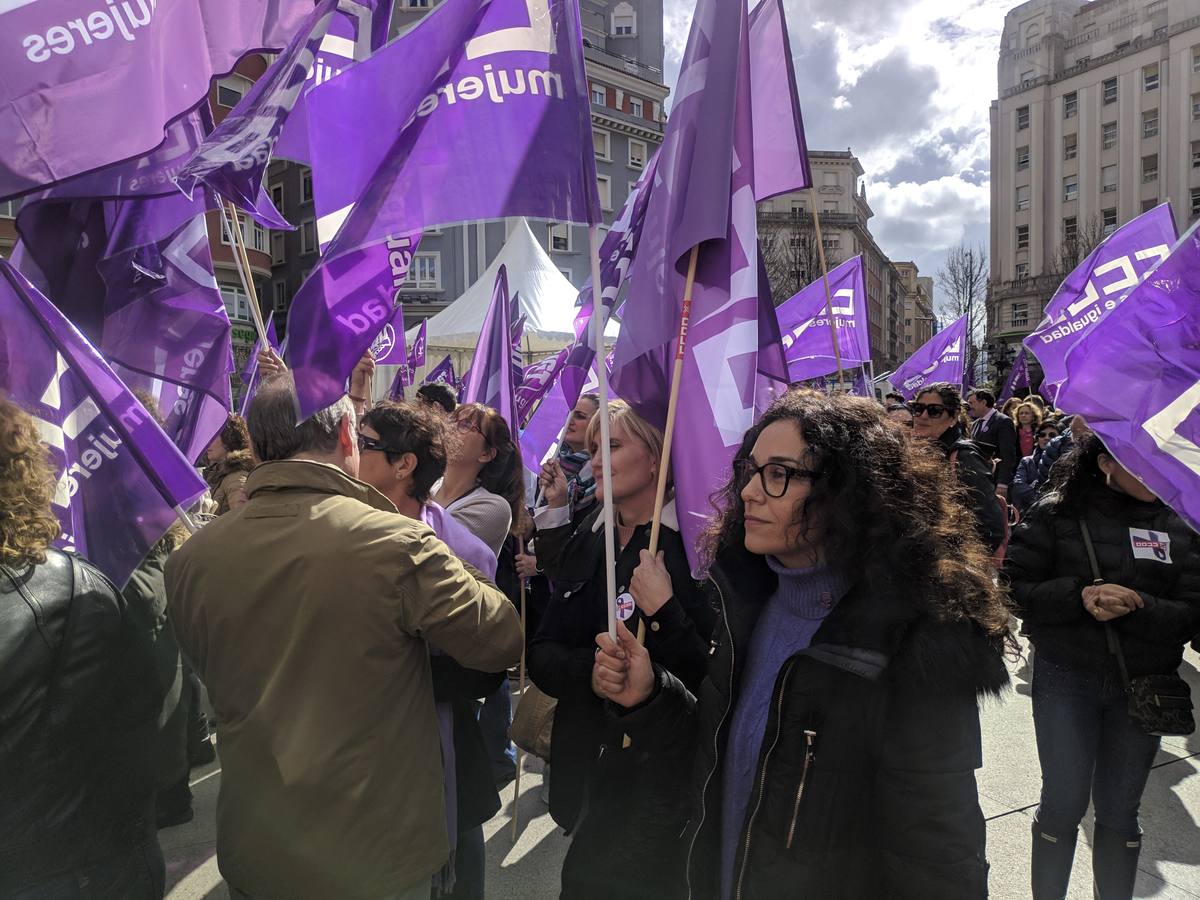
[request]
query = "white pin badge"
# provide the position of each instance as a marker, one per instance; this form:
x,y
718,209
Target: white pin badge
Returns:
x,y
625,606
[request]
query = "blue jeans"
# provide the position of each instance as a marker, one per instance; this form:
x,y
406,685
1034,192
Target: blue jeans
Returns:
x,y
1088,747
495,719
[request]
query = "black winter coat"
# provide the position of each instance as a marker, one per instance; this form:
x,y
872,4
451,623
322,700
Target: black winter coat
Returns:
x,y
975,475
591,774
865,784
1055,450
999,441
79,706
1023,491
1047,567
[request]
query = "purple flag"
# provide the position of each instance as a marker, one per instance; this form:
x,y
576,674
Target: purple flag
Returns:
x,y
120,479
1017,378
1135,378
388,347
536,381
233,159
416,353
804,321
490,380
250,374
941,358
1096,286
443,372
84,85
780,152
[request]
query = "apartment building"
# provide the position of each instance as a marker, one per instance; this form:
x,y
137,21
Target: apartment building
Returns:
x,y
918,326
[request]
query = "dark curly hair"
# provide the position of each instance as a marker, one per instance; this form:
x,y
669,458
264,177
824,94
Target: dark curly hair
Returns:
x,y
413,428
888,508
234,435
951,397
1075,477
27,523
504,475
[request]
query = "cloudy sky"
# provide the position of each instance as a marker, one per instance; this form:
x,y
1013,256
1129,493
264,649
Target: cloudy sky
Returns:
x,y
906,85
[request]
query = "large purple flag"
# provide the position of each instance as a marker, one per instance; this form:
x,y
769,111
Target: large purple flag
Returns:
x,y
84,85
120,480
490,380
233,159
780,151
1096,286
1017,378
941,358
804,321
1135,378
443,372
536,381
250,372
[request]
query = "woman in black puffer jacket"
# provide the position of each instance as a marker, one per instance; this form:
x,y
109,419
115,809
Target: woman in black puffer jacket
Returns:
x,y
836,736
1087,744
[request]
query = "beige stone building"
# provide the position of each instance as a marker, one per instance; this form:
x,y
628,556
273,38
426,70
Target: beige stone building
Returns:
x,y
917,327
1097,119
789,250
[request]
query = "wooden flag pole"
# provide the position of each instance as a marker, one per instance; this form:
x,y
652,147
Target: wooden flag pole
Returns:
x,y
241,262
597,324
520,694
837,353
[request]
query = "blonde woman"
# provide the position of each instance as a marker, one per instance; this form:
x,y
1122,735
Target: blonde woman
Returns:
x,y
1029,419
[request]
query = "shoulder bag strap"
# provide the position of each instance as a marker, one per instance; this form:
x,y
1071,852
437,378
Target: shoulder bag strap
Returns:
x,y
1110,633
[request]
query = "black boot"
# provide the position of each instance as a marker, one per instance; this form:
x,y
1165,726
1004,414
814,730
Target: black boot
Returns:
x,y
1114,863
1053,855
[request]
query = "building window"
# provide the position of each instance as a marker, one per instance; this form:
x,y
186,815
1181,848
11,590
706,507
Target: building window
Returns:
x,y
635,107
1109,219
1083,60
1071,187
602,144
1022,237
832,241
254,236
230,90
1022,118
306,194
1110,91
1150,168
1150,123
1071,105
1070,146
829,206
560,238
1148,205
1196,58
637,154
1022,158
1027,76
277,196
279,292
1196,107
1150,77
624,20
1032,31
599,95
830,179
8,209
1108,179
1020,311
308,236
1023,197
1070,230
1108,135
425,272
277,251
236,303
1196,154
1022,271
417,4
604,186
1195,202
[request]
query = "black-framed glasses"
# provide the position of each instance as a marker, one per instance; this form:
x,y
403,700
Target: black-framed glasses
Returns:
x,y
935,410
366,443
1047,434
775,478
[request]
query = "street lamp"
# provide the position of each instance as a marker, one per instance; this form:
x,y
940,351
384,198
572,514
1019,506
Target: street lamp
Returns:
x,y
1002,356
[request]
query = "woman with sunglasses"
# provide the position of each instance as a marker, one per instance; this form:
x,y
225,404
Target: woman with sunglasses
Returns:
x,y
1025,484
936,419
623,808
837,734
1088,745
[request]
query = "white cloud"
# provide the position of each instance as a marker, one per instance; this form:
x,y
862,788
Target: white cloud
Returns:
x,y
907,85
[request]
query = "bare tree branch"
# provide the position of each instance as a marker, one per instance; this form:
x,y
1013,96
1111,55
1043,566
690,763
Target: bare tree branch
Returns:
x,y
963,282
788,245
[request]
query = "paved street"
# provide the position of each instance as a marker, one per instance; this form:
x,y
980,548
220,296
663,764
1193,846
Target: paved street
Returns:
x,y
1008,791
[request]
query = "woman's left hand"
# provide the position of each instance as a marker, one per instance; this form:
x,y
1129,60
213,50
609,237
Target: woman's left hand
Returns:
x,y
1110,601
651,583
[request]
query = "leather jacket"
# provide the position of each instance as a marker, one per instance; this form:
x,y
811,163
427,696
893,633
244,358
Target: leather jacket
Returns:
x,y
78,708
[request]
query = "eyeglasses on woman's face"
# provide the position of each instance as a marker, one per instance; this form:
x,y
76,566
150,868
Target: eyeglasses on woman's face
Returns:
x,y
933,410
374,444
775,478
466,426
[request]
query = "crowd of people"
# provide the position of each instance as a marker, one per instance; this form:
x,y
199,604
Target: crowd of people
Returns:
x,y
799,718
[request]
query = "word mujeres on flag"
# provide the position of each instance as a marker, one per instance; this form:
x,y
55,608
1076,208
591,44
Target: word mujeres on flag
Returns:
x,y
120,481
510,69
69,69
804,323
1096,286
1135,379
941,358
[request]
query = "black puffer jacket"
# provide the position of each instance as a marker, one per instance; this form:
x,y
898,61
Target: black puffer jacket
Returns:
x,y
1047,568
975,475
562,654
78,710
865,784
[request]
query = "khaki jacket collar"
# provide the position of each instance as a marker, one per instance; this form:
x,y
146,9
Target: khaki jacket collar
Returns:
x,y
315,477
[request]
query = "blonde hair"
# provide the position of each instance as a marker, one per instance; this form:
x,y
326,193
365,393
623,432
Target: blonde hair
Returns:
x,y
1032,407
27,523
635,426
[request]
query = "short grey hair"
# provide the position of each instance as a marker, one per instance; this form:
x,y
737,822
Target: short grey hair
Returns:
x,y
274,433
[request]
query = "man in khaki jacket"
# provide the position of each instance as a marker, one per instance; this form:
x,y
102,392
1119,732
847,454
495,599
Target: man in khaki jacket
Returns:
x,y
306,612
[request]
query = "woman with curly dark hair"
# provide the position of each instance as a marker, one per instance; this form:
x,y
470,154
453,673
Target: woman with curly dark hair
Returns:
x,y
230,462
78,701
836,736
1147,607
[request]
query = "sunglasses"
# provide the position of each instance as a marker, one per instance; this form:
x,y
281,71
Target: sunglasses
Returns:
x,y
774,477
1047,434
365,443
934,410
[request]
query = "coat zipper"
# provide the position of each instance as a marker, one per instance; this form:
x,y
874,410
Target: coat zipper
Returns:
x,y
762,781
809,737
716,739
